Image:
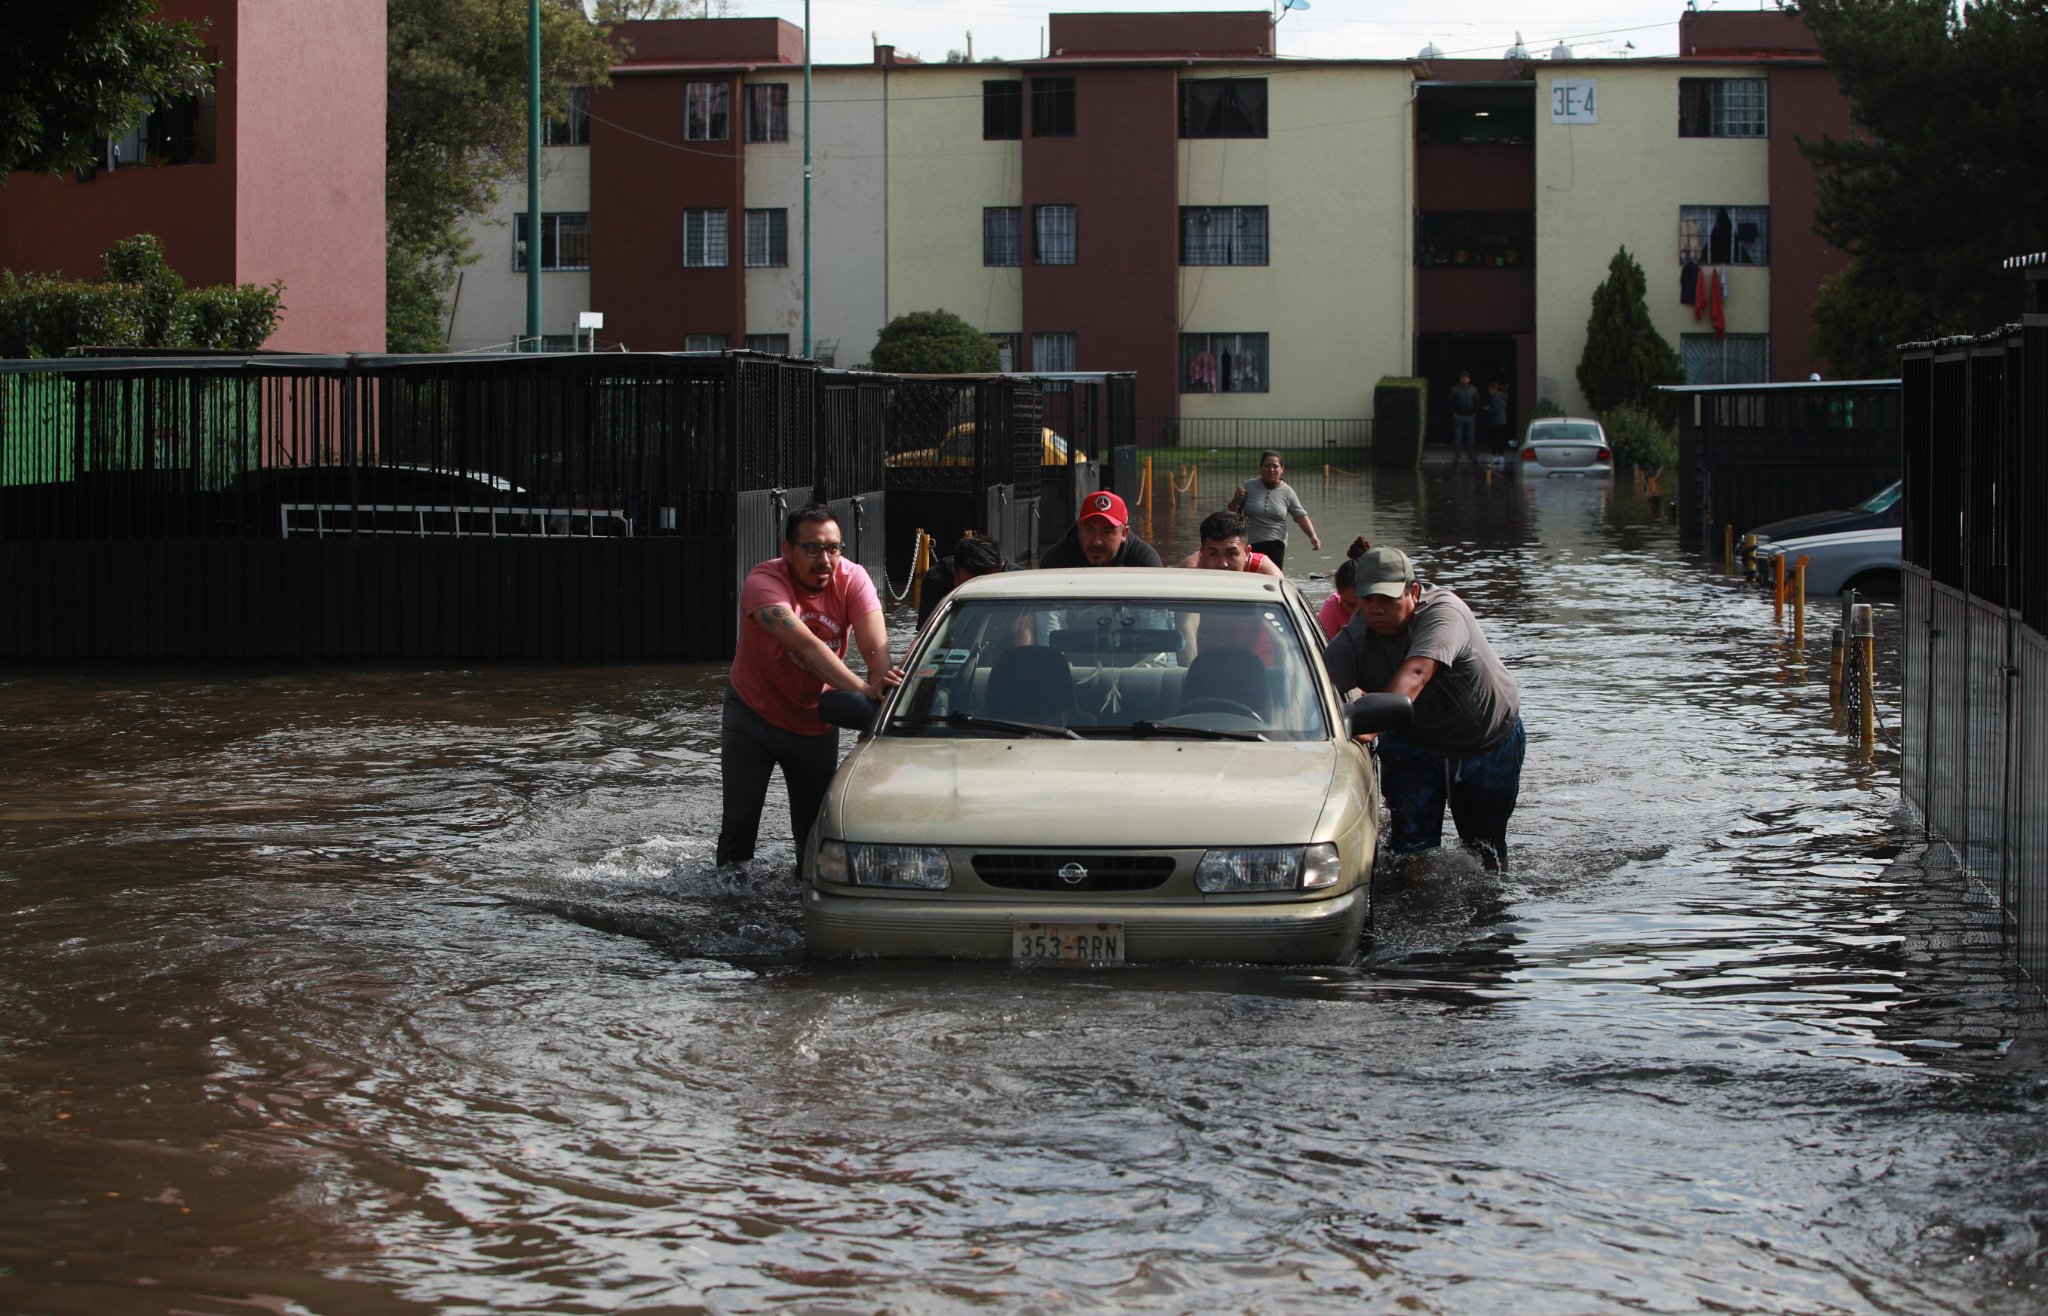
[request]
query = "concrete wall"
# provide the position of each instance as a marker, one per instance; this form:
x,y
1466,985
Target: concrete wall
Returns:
x,y
849,210
490,296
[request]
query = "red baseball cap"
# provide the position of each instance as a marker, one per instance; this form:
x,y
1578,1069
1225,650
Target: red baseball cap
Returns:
x,y
1107,506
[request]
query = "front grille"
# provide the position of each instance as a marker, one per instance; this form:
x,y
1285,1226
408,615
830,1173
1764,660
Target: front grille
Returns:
x,y
1041,872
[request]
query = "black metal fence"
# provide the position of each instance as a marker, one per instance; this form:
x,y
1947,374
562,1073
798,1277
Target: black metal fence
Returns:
x,y
1351,434
1975,547
598,507
1754,453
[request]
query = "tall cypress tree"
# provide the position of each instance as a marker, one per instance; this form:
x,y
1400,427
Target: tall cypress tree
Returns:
x,y
1625,357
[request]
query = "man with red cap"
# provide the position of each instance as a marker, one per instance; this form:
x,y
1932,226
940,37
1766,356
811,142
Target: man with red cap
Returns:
x,y
1101,538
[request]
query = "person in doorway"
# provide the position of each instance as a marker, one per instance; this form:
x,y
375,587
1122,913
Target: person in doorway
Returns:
x,y
1464,419
1268,504
1466,745
1497,419
1101,538
1225,547
972,556
797,612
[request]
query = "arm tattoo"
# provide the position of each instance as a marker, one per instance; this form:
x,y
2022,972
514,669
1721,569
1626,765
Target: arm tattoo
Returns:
x,y
776,615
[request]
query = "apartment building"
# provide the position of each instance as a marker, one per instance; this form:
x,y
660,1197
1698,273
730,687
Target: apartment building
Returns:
x,y
1256,238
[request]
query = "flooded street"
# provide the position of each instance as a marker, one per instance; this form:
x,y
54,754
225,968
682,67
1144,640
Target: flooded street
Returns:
x,y
361,991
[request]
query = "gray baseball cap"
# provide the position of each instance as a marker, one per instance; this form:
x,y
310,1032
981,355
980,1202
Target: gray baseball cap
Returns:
x,y
1386,572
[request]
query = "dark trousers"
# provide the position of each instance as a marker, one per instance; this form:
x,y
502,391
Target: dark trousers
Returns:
x,y
1497,438
1272,548
1481,791
749,749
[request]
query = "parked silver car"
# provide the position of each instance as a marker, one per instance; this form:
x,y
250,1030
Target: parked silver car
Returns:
x,y
1565,445
1104,766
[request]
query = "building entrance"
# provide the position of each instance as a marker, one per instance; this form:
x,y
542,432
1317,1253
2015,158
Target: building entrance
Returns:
x,y
1439,358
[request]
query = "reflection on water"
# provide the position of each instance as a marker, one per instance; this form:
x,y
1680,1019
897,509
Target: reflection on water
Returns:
x,y
363,991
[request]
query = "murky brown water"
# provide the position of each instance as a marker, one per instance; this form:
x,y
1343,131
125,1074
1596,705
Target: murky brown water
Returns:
x,y
373,991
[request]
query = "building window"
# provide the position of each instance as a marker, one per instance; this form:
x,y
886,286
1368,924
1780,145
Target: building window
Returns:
x,y
1002,111
704,240
707,111
1056,234
777,344
1223,235
573,130
703,342
767,238
1002,235
768,112
1052,107
1223,107
564,242
1223,363
1055,352
179,131
1007,353
1724,107
1725,235
1725,358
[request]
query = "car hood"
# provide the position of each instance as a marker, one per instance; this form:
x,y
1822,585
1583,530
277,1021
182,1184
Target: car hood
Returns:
x,y
1841,541
1820,523
1149,793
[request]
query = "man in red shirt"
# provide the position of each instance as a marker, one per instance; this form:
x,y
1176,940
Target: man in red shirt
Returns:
x,y
796,613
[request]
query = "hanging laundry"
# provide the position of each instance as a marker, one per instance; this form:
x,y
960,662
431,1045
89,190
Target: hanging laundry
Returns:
x,y
1707,301
1244,371
1689,280
1202,369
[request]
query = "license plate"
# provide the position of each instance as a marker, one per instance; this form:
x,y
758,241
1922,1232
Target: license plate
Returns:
x,y
1069,943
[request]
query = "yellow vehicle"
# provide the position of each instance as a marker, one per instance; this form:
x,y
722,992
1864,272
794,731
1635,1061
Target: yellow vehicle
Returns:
x,y
957,449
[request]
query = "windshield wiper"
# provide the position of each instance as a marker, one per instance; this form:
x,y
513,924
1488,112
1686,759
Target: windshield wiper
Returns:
x,y
976,722
1151,728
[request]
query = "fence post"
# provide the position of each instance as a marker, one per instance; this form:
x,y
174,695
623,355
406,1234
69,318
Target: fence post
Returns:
x,y
1799,608
1863,629
1778,591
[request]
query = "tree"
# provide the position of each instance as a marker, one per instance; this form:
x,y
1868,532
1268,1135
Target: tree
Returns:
x,y
619,11
1942,179
1625,357
76,73
934,343
455,128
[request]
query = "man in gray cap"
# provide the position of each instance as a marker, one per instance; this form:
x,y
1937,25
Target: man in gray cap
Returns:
x,y
1466,744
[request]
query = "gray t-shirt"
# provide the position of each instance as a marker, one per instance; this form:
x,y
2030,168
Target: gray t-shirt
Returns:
x,y
1469,706
1267,511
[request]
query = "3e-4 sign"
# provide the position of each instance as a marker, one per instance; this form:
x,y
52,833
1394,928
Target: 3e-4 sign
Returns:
x,y
1572,101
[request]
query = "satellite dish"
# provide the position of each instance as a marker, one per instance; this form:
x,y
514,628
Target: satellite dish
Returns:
x,y
1430,52
1560,51
1518,50
1294,4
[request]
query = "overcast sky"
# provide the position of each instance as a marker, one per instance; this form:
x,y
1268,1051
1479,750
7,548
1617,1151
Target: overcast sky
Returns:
x,y
842,30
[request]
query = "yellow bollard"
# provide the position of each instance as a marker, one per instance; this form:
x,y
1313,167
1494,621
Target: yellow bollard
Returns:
x,y
1145,485
1195,486
920,564
1799,608
1778,591
1728,548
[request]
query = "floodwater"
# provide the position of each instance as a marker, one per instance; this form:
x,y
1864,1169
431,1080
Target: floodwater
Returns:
x,y
365,991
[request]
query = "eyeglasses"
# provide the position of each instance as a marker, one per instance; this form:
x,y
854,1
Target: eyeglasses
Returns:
x,y
812,548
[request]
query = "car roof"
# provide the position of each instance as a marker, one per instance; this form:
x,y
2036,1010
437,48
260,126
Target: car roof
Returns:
x,y
1160,584
1563,420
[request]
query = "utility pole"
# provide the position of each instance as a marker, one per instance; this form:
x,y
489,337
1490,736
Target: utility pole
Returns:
x,y
533,242
807,180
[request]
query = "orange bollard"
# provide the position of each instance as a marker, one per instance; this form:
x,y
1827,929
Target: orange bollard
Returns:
x,y
1778,589
1799,608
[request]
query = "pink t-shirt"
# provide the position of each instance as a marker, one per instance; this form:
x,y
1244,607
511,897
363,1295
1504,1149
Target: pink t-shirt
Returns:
x,y
767,675
1333,616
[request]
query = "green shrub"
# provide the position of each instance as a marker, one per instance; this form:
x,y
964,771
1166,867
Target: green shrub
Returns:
x,y
1544,409
1639,438
141,302
934,343
1400,408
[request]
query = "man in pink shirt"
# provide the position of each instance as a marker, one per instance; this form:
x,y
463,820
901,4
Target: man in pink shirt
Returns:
x,y
796,613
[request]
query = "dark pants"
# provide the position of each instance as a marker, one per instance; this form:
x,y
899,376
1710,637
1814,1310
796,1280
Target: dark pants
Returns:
x,y
1463,427
749,748
1497,438
1481,791
1273,548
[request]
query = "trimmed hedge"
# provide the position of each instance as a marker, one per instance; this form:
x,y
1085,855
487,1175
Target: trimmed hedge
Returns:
x,y
1400,408
140,302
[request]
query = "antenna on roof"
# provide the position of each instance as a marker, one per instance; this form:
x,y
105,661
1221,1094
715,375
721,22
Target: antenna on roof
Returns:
x,y
1429,51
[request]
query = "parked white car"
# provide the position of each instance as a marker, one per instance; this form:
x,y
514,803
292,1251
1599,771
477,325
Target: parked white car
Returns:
x,y
1863,560
1104,766
1565,445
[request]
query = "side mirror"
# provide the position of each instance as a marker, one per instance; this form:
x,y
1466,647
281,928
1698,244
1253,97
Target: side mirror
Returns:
x,y
1369,714
852,709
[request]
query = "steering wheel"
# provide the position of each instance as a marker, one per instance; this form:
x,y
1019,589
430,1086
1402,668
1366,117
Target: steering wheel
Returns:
x,y
1218,704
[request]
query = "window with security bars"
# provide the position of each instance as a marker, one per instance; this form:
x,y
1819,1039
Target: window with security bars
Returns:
x,y
775,343
1223,107
1724,107
1725,358
1223,235
573,130
1725,235
767,238
1002,235
1054,352
768,112
564,242
1052,107
704,238
1223,363
707,111
1056,237
1002,111
704,342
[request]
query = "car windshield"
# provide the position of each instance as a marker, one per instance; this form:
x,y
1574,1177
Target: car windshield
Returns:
x,y
1130,668
1570,432
1883,499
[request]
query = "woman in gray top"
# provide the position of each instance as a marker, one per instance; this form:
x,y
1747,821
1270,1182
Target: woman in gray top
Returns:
x,y
1268,505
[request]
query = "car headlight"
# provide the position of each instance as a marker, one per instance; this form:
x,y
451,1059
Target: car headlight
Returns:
x,y
1268,868
915,867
